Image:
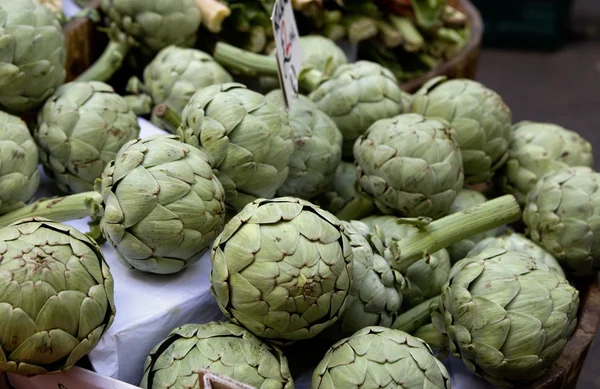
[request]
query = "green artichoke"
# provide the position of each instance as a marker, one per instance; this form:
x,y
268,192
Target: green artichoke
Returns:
x,y
376,291
317,148
377,357
174,75
223,348
507,316
513,241
162,204
562,214
57,297
80,130
479,116
19,176
155,24
537,149
410,165
34,55
248,137
467,198
356,96
283,269
426,277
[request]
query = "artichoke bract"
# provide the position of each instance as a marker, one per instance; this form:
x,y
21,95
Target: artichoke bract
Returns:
x,y
377,357
507,316
356,96
537,149
162,204
57,297
317,148
283,269
224,348
174,75
513,241
19,176
562,214
426,277
410,165
34,55
248,138
467,198
80,130
479,116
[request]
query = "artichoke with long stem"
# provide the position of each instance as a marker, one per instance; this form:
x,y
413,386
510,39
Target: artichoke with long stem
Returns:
x,y
158,204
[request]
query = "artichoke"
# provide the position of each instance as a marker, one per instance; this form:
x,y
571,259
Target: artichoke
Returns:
x,y
317,148
467,198
377,357
562,214
507,316
19,176
479,116
426,277
248,137
537,149
356,96
224,348
174,75
512,241
80,130
283,269
34,55
158,204
410,165
57,297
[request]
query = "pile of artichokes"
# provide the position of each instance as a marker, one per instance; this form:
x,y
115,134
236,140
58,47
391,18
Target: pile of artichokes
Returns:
x,y
351,216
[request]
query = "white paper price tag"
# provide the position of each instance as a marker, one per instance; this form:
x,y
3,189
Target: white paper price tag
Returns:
x,y
288,49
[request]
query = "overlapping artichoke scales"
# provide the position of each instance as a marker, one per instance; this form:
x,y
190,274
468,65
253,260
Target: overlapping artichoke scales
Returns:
x,y
479,116
507,315
377,357
562,214
33,55
163,205
537,149
248,137
283,269
224,348
411,165
19,176
356,96
426,277
317,148
175,74
80,130
155,24
57,296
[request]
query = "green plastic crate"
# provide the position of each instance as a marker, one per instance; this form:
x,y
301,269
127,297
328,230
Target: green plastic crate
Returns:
x,y
533,24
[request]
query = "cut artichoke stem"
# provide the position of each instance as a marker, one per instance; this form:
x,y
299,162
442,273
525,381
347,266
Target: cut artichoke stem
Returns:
x,y
109,62
453,228
168,114
59,209
139,104
417,316
213,14
245,62
434,338
411,37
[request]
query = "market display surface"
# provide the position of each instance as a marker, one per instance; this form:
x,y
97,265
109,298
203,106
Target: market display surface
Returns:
x,y
188,221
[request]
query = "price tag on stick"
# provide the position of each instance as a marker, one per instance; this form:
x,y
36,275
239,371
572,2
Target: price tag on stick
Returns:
x,y
288,50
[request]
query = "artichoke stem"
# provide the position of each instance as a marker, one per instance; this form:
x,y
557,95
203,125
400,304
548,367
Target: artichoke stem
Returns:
x,y
430,335
389,34
109,62
453,228
449,35
213,14
358,208
245,62
59,209
301,4
140,104
360,28
411,37
168,114
417,316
